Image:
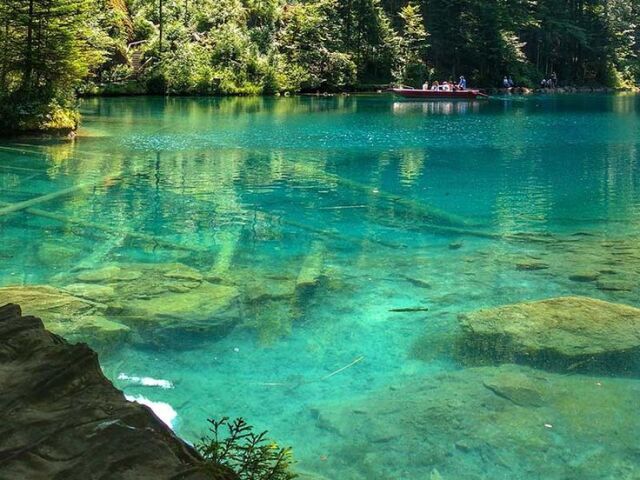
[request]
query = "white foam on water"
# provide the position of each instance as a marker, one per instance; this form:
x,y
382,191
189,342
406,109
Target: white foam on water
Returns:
x,y
163,411
146,381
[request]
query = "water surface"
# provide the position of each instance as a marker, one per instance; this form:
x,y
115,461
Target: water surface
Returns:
x,y
310,220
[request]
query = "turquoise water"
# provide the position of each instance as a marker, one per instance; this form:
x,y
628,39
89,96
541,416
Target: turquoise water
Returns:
x,y
297,226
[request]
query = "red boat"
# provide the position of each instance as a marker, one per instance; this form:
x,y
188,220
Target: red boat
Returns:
x,y
440,93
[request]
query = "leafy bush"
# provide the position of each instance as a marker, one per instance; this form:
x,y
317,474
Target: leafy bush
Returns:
x,y
248,455
37,115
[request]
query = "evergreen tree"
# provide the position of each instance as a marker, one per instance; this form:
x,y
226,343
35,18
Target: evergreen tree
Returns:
x,y
49,49
411,67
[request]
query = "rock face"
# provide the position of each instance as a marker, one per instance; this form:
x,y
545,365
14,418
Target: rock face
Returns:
x,y
61,418
565,332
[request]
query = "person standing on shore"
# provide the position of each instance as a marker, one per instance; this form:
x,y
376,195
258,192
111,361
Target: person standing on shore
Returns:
x,y
554,80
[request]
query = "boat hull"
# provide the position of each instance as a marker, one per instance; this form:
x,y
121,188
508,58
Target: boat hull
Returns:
x,y
438,94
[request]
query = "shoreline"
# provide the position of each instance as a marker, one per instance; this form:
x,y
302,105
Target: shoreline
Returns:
x,y
70,133
368,90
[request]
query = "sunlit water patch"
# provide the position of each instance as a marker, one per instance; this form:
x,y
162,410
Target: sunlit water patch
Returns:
x,y
307,264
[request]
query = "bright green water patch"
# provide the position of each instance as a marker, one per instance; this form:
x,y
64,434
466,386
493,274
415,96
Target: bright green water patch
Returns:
x,y
302,262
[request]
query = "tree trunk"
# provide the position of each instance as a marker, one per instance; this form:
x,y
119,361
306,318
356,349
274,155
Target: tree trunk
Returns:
x,y
28,58
161,26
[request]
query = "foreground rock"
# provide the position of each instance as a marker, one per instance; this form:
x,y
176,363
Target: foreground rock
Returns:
x,y
567,332
502,422
61,418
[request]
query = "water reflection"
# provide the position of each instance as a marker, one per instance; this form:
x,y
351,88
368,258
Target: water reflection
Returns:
x,y
437,107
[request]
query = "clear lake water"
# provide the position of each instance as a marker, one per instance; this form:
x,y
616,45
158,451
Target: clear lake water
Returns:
x,y
302,262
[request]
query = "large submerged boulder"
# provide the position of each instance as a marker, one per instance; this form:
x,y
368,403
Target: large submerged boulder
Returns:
x,y
61,418
170,296
565,332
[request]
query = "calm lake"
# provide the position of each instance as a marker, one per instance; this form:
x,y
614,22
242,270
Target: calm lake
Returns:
x,y
305,263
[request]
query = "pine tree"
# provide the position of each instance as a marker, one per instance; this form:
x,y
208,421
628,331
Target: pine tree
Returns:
x,y
49,49
413,46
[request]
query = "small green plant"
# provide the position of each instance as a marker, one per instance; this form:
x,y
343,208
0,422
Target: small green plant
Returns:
x,y
249,455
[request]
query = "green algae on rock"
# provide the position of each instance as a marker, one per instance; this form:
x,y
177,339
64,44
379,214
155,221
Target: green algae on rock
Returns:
x,y
91,291
110,273
62,312
166,296
531,265
201,303
564,332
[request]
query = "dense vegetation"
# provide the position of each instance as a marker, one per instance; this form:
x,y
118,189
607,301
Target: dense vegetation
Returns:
x,y
46,48
52,48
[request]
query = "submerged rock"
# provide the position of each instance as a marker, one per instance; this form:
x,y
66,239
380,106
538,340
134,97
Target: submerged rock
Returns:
x,y
211,309
204,302
56,254
563,332
64,313
584,277
61,418
485,422
109,274
615,285
91,291
183,272
159,300
312,267
531,265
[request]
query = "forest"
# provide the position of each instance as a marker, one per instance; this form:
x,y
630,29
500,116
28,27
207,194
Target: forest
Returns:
x,y
53,50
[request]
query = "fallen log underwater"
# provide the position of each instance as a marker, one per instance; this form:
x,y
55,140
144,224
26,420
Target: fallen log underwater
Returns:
x,y
420,217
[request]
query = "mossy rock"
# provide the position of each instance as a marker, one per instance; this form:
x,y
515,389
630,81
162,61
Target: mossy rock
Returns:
x,y
62,312
208,308
584,277
109,274
531,265
99,293
564,332
56,255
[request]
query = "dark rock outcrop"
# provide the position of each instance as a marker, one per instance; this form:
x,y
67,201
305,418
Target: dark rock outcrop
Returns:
x,y
62,419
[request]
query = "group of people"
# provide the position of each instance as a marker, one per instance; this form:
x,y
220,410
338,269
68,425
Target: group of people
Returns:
x,y
507,82
551,82
447,86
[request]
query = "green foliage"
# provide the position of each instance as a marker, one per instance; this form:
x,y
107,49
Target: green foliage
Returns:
x,y
411,65
51,48
46,48
242,454
309,44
